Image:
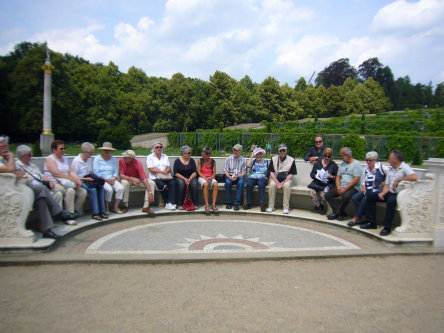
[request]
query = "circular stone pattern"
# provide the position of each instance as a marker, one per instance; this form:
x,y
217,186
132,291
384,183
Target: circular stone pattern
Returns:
x,y
215,236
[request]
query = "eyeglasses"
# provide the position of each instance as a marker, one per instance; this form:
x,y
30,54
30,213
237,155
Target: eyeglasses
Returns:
x,y
327,156
318,141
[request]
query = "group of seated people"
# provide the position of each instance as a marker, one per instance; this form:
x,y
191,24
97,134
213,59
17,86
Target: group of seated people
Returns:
x,y
64,184
376,183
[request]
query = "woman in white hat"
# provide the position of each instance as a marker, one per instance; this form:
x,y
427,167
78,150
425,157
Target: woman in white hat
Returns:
x,y
105,166
258,176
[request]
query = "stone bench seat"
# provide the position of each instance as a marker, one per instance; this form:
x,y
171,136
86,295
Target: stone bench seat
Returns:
x,y
416,201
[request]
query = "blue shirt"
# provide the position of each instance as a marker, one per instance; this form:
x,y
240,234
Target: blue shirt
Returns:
x,y
106,169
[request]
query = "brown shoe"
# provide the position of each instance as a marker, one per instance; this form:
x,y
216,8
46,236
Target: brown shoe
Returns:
x,y
124,209
148,210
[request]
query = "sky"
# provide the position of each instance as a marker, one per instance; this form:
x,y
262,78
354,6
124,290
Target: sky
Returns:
x,y
259,38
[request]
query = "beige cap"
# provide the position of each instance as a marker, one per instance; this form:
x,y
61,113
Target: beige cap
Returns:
x,y
237,147
107,146
129,153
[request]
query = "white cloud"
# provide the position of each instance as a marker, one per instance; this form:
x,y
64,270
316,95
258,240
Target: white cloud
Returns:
x,y
402,16
257,38
307,54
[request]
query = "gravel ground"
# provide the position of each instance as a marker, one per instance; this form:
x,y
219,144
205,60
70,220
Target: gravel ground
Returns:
x,y
386,294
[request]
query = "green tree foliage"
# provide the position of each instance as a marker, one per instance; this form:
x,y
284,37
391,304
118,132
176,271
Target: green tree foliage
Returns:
x,y
336,73
118,136
88,98
356,144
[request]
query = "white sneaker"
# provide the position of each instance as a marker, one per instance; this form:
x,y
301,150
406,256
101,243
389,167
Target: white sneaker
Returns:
x,y
286,211
170,206
270,209
180,208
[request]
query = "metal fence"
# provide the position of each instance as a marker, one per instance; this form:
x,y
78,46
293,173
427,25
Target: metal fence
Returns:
x,y
427,146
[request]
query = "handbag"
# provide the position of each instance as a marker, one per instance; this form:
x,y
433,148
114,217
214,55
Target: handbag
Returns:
x,y
187,202
66,183
161,176
220,177
97,182
281,176
317,185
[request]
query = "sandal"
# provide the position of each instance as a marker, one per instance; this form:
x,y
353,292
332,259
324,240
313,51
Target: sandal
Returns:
x,y
97,217
215,210
104,216
207,210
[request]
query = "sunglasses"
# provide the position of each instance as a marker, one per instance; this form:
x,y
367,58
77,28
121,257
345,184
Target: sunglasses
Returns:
x,y
189,153
327,156
62,148
282,150
318,141
369,160
158,147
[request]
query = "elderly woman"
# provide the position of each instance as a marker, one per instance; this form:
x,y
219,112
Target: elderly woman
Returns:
x,y
58,170
82,165
159,167
258,176
47,202
206,169
323,174
185,172
105,166
371,181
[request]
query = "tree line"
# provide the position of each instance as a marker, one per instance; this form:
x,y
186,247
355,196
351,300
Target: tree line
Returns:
x,y
91,101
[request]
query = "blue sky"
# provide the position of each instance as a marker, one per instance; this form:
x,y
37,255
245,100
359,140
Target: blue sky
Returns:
x,y
260,38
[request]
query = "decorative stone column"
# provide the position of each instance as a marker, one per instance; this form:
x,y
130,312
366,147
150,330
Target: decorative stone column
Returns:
x,y
47,136
436,167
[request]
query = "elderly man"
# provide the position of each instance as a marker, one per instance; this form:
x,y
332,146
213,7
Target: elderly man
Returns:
x,y
347,184
398,171
314,154
132,174
235,169
281,168
47,202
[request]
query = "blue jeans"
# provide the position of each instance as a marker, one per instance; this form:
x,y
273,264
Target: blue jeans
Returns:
x,y
261,183
360,201
239,191
96,198
167,189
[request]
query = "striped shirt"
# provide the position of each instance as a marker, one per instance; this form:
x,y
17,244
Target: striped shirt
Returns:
x,y
234,166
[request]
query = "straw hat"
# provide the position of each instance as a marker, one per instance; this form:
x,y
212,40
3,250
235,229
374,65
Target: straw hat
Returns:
x,y
107,146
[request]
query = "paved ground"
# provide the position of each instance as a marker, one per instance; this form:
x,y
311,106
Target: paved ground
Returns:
x,y
337,280
388,294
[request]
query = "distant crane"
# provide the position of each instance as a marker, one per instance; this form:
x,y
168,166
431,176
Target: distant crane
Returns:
x,y
311,77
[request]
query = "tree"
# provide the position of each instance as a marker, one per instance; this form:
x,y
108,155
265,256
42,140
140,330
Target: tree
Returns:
x,y
221,85
439,95
270,94
369,68
336,73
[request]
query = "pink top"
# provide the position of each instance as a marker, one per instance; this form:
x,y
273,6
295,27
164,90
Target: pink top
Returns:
x,y
206,170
